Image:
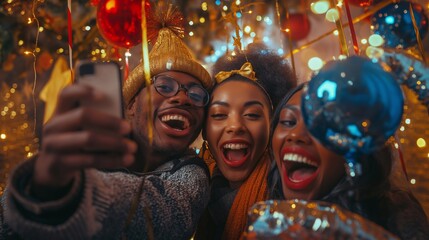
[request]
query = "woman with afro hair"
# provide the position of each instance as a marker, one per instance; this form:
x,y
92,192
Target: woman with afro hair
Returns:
x,y
248,86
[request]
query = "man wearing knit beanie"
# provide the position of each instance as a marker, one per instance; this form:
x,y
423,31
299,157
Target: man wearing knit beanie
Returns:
x,y
152,190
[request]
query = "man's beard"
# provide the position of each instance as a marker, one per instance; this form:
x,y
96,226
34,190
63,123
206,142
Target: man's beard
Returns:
x,y
157,148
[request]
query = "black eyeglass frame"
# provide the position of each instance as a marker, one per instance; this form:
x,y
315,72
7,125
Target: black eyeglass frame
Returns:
x,y
180,87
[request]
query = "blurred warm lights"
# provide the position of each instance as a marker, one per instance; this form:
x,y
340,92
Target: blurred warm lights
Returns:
x,y
375,40
342,57
315,63
204,6
332,15
407,121
3,136
374,52
247,29
320,7
421,143
267,19
413,181
363,41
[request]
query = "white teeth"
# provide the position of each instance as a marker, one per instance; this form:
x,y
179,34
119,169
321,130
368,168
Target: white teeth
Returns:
x,y
176,117
235,146
293,157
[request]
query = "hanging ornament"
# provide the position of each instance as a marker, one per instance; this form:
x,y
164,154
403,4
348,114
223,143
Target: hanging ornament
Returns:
x,y
394,23
298,25
361,3
119,21
94,2
352,107
44,62
409,71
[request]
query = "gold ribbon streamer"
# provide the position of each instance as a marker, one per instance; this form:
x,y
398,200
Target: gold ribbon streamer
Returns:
x,y
288,33
416,30
246,71
355,20
145,53
341,35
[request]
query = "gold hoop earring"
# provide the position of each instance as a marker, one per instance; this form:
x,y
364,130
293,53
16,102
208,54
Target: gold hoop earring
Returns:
x,y
204,148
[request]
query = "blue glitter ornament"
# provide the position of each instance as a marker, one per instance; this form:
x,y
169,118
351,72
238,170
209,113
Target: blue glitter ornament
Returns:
x,y
410,71
395,25
352,107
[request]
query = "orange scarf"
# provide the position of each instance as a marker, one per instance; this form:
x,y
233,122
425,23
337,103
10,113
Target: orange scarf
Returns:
x,y
253,190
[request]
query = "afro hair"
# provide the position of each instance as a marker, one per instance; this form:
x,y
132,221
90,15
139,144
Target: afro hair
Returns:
x,y
273,72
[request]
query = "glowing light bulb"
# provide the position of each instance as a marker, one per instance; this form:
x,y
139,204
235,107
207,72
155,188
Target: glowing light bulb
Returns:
x,y
320,7
247,29
421,143
332,15
315,63
375,40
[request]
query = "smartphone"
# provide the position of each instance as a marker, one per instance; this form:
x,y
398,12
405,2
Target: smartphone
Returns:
x,y
105,77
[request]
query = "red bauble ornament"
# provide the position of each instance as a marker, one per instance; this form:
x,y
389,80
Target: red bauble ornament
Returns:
x,y
361,3
119,21
298,24
94,2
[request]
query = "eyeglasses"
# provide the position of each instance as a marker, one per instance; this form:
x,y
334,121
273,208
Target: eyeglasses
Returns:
x,y
169,87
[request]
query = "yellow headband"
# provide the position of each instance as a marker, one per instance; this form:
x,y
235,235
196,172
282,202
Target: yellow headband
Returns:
x,y
246,71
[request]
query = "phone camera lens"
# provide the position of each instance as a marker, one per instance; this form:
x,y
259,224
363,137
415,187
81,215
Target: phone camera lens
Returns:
x,y
86,69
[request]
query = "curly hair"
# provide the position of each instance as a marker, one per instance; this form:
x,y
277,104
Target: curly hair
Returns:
x,y
273,72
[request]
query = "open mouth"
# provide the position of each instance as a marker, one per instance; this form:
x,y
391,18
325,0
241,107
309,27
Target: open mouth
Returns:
x,y
235,154
176,121
300,171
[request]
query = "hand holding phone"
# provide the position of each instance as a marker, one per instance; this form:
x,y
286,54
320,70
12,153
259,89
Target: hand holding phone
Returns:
x,y
78,136
104,77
